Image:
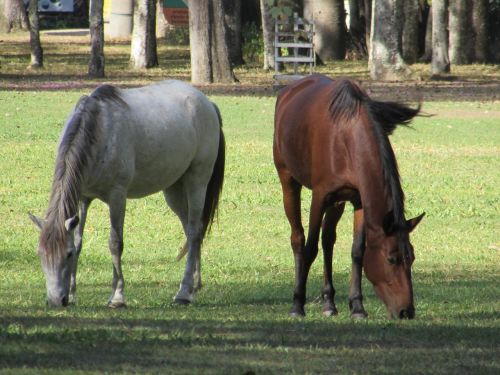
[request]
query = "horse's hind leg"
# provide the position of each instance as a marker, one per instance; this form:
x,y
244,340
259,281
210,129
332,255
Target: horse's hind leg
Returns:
x,y
358,249
117,205
84,206
176,199
187,199
328,237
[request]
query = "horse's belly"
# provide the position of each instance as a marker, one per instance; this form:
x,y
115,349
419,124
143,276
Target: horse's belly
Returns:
x,y
137,174
153,180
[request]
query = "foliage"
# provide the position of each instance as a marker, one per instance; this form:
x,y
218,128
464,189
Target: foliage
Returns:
x,y
238,323
177,36
282,8
62,21
253,43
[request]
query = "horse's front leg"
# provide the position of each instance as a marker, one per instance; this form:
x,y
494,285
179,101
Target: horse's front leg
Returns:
x,y
85,203
291,203
117,206
358,249
328,237
310,250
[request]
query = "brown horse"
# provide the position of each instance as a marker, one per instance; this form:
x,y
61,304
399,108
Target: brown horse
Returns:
x,y
333,139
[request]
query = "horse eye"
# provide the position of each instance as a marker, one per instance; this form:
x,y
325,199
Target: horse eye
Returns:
x,y
393,260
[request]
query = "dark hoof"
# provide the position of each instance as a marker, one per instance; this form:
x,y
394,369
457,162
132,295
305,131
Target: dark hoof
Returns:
x,y
181,301
359,315
116,305
297,312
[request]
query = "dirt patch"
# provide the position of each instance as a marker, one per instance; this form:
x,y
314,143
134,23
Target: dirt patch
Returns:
x,y
404,92
465,114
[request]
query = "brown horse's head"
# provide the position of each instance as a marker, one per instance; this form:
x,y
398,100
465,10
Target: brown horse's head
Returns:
x,y
388,266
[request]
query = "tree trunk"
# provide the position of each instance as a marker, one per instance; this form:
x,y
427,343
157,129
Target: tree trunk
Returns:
x,y
3,17
460,25
329,19
480,27
357,26
34,25
15,15
161,22
268,34
208,42
96,64
151,48
221,63
143,46
368,23
200,40
233,21
385,61
410,31
427,55
440,59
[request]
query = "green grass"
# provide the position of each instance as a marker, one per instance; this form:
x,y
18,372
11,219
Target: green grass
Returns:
x,y
239,323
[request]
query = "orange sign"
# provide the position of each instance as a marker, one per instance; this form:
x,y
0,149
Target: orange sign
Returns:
x,y
177,16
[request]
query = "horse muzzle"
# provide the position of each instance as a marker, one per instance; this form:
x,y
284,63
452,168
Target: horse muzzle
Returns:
x,y
408,313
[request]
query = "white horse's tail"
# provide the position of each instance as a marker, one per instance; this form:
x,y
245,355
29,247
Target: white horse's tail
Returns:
x,y
214,187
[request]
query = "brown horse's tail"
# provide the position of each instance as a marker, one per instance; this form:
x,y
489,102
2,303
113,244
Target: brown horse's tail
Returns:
x,y
214,187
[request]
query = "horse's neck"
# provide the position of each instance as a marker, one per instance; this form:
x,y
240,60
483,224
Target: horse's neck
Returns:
x,y
66,192
375,195
375,208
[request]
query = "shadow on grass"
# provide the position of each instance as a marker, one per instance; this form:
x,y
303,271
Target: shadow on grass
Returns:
x,y
242,327
237,345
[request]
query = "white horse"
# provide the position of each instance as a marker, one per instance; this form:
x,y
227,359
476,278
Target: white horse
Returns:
x,y
120,144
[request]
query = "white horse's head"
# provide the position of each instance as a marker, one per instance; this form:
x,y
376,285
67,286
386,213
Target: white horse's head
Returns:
x,y
57,252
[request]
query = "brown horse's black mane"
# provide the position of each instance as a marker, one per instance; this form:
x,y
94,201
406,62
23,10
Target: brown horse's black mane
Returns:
x,y
72,158
347,99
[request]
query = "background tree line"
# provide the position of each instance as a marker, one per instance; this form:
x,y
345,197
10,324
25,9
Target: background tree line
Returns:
x,y
391,34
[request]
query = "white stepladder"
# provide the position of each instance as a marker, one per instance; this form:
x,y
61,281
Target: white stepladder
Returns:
x,y
296,39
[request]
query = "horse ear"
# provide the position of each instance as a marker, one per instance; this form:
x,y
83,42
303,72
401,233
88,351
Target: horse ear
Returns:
x,y
412,223
38,221
71,223
388,224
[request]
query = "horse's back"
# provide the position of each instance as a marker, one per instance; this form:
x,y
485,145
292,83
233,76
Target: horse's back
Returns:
x,y
150,140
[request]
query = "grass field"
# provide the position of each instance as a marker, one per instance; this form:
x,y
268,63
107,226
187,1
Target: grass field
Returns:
x,y
239,323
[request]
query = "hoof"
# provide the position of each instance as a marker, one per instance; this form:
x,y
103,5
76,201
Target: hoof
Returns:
x,y
359,315
182,301
116,305
330,312
297,313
